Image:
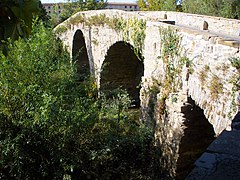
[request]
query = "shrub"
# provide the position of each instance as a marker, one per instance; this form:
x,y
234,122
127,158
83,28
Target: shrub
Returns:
x,y
236,63
216,87
53,127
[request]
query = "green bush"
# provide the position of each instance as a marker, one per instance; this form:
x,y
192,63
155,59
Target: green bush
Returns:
x,y
222,8
53,127
235,62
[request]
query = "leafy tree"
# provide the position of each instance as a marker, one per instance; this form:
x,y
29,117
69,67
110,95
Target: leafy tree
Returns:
x,y
71,8
169,5
43,16
16,17
157,5
53,127
142,5
55,16
222,8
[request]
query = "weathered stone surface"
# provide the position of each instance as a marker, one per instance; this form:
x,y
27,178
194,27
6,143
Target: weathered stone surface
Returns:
x,y
215,24
231,43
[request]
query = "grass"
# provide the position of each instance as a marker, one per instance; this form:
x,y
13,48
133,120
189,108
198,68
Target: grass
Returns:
x,y
203,75
216,87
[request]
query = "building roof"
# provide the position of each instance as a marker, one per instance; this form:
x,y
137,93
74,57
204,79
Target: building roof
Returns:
x,y
121,3
51,4
108,3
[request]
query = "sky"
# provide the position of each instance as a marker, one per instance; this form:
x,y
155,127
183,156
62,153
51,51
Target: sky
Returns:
x,y
56,1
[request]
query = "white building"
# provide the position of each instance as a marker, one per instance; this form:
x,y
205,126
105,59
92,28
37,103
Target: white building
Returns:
x,y
123,6
57,7
53,7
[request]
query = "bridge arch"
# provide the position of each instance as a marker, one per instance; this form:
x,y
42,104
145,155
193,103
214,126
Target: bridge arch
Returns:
x,y
122,69
80,55
198,134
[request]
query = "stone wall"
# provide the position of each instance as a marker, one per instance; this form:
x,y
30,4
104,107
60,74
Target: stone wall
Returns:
x,y
215,24
211,67
209,83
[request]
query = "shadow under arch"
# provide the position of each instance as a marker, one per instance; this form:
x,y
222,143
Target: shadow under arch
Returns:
x,y
198,135
80,55
122,69
236,122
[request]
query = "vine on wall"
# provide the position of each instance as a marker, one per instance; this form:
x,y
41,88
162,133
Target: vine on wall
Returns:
x,y
170,53
132,29
235,81
173,63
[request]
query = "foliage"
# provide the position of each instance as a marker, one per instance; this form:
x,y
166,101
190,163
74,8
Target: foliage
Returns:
x,y
71,8
152,5
95,20
16,18
157,5
236,63
43,15
222,8
170,55
54,15
216,87
173,63
135,29
53,127
142,5
98,20
203,75
61,29
169,5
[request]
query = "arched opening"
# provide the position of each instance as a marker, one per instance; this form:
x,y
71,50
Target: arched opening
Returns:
x,y
198,135
80,56
122,69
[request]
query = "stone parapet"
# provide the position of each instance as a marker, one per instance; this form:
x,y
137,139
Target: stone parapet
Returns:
x,y
200,22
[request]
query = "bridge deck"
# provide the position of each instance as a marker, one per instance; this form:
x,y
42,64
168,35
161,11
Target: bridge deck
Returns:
x,y
226,37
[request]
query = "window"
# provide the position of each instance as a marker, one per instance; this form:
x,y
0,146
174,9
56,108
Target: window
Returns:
x,y
49,7
130,7
126,7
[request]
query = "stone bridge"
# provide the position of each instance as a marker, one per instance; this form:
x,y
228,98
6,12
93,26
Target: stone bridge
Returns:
x,y
178,68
